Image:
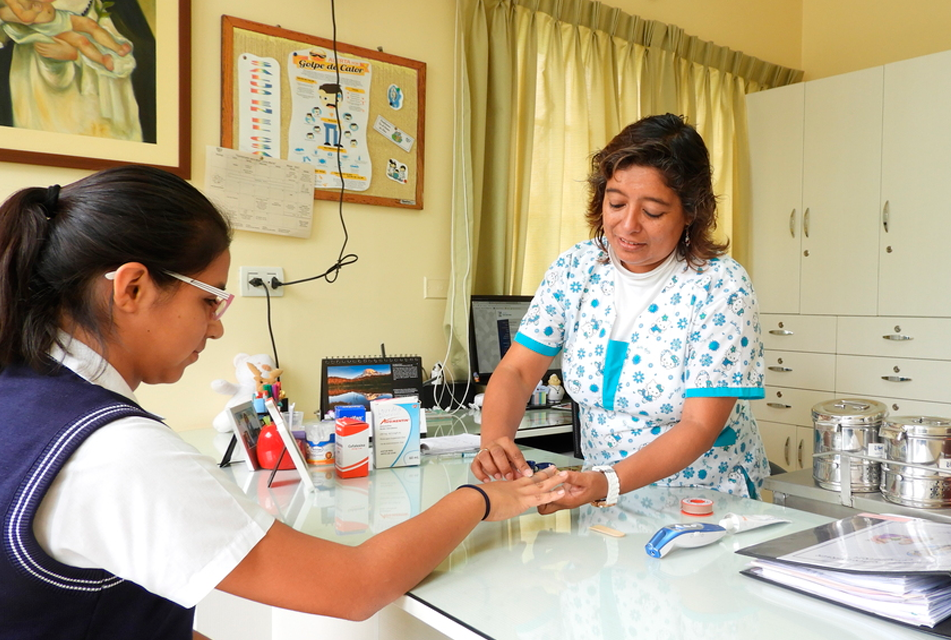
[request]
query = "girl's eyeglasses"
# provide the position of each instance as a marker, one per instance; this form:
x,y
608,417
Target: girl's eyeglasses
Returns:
x,y
223,299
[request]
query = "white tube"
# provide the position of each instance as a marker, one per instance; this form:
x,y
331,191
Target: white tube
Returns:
x,y
735,523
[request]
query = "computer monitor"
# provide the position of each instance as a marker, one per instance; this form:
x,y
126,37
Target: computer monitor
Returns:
x,y
493,323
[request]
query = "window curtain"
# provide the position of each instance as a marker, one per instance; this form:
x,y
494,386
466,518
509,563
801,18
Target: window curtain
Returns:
x,y
541,85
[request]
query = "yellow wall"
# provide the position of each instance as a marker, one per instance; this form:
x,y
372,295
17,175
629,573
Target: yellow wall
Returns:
x,y
847,35
380,298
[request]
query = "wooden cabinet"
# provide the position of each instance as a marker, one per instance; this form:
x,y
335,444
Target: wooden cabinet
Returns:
x,y
851,179
840,193
815,163
916,188
775,121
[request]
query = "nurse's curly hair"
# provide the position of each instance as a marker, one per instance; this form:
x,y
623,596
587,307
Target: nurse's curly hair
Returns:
x,y
673,147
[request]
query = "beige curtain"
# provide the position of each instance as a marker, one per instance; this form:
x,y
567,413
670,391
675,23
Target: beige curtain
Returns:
x,y
541,84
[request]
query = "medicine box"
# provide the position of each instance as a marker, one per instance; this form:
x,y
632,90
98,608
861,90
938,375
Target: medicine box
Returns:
x,y
352,448
396,428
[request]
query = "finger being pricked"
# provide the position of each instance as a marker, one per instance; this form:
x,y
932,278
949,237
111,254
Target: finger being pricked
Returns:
x,y
512,498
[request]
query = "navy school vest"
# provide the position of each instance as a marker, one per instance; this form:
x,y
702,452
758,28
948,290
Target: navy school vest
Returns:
x,y
43,420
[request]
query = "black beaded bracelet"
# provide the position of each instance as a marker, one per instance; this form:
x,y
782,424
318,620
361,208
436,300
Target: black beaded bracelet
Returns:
x,y
488,505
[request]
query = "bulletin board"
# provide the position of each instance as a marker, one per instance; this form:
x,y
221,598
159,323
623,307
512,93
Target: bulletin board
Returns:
x,y
282,96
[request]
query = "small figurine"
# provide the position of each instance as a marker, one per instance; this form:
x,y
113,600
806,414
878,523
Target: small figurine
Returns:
x,y
556,392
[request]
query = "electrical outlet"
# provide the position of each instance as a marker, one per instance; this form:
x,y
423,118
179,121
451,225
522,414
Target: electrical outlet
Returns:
x,y
246,274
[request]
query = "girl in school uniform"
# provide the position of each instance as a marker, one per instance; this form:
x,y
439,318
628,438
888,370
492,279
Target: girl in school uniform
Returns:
x,y
112,526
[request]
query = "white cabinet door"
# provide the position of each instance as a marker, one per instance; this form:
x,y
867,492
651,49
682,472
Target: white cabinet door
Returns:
x,y
775,120
788,446
916,188
842,150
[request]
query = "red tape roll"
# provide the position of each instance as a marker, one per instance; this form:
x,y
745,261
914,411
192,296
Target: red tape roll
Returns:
x,y
696,507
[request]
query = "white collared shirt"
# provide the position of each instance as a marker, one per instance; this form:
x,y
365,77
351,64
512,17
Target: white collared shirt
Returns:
x,y
139,502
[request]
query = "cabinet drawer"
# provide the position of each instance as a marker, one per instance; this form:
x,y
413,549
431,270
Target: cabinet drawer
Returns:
x,y
799,333
788,406
896,337
928,380
903,407
801,370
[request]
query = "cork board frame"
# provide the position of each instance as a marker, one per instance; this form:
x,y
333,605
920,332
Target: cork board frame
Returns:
x,y
240,37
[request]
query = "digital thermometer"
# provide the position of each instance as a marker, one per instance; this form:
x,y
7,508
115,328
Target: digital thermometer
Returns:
x,y
674,536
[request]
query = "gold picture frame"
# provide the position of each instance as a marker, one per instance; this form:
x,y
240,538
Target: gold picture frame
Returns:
x,y
164,71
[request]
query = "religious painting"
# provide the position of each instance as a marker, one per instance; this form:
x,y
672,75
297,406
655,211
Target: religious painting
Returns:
x,y
79,82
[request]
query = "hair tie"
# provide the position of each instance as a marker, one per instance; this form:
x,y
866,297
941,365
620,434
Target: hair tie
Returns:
x,y
52,199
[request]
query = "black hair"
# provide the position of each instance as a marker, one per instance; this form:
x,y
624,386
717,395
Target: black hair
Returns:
x,y
56,247
673,147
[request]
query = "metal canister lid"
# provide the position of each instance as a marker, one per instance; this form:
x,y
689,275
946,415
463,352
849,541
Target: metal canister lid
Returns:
x,y
918,427
850,412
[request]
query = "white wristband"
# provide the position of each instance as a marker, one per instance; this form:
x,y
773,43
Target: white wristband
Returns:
x,y
614,486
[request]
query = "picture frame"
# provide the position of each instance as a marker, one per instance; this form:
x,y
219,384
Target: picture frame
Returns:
x,y
361,379
377,139
291,447
247,427
161,48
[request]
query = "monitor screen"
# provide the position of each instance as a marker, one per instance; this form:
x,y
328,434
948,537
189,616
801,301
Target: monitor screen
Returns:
x,y
493,323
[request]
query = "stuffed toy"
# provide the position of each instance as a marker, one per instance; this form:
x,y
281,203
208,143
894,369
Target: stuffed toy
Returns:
x,y
250,372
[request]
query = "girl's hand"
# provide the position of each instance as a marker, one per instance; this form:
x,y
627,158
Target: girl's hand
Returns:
x,y
500,459
509,499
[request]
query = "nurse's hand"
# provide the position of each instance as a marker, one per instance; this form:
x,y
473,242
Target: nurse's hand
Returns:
x,y
500,459
581,487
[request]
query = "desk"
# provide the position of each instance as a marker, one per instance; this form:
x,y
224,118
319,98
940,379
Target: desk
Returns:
x,y
535,423
541,576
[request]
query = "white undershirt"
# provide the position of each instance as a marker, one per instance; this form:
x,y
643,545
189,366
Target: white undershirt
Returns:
x,y
633,292
139,502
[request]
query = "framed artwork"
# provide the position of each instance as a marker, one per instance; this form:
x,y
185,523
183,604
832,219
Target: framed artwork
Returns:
x,y
80,84
356,115
362,379
247,428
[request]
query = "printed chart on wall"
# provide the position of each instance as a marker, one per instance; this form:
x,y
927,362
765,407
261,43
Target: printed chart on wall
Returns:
x,y
355,115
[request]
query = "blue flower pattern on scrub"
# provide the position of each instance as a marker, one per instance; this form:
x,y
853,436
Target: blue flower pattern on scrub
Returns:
x,y
699,338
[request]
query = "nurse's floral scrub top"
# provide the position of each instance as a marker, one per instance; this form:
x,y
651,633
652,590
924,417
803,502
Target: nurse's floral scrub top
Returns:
x,y
699,338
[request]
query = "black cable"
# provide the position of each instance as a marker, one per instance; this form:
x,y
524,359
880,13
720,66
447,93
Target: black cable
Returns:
x,y
330,275
270,328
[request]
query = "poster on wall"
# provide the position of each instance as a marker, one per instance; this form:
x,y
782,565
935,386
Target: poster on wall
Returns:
x,y
331,98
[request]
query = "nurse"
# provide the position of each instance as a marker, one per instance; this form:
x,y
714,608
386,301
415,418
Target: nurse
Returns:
x,y
659,329
113,527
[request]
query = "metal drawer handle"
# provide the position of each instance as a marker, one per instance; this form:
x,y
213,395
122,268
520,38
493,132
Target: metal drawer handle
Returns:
x,y
792,223
897,336
885,216
781,332
896,379
779,369
786,452
805,222
778,405
799,455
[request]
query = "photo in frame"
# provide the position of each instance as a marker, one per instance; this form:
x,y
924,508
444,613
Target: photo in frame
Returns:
x,y
247,427
88,97
291,447
360,380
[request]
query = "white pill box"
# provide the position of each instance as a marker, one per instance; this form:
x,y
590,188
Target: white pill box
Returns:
x,y
396,427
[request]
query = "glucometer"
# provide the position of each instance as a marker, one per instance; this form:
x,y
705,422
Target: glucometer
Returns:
x,y
675,536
